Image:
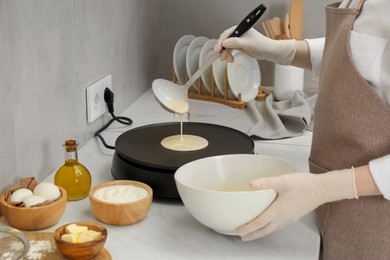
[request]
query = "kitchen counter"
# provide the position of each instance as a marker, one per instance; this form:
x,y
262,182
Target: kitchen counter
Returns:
x,y
169,231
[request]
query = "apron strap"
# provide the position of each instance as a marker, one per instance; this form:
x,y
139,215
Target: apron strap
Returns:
x,y
357,4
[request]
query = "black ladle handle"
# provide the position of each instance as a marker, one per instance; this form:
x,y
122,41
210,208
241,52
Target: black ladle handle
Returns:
x,y
249,21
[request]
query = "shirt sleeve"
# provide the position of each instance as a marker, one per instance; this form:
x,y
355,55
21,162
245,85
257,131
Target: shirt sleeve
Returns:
x,y
380,171
316,48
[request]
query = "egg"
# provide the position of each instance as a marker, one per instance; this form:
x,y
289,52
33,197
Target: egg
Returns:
x,y
47,190
33,200
20,194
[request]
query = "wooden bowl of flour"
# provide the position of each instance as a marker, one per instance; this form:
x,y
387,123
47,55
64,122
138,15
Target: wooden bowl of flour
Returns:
x,y
121,202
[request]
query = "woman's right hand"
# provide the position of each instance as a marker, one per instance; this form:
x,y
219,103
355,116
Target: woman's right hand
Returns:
x,y
256,45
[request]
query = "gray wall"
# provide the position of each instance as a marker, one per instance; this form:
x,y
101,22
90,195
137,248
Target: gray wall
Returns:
x,y
52,50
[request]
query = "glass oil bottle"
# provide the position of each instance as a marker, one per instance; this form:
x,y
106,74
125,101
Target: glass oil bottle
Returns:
x,y
73,176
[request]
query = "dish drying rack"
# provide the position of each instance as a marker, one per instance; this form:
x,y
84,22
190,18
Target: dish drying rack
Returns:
x,y
202,93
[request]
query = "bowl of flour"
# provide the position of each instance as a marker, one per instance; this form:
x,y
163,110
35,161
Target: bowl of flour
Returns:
x,y
121,202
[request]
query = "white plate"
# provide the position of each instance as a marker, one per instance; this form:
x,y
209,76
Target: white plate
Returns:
x,y
192,58
206,52
179,57
219,68
244,76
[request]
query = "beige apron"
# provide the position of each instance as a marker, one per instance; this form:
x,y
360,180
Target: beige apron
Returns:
x,y
351,128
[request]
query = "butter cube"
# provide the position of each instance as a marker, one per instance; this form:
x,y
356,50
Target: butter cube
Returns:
x,y
93,234
79,234
83,238
72,238
74,229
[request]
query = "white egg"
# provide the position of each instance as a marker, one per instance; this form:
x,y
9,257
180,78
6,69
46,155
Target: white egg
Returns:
x,y
33,200
47,190
20,194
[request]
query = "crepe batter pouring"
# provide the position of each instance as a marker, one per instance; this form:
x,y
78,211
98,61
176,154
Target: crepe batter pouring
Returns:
x,y
183,142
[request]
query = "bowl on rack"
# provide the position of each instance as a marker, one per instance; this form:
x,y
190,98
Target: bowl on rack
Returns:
x,y
216,190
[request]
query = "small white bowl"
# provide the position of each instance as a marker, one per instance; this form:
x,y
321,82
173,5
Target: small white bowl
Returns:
x,y
216,190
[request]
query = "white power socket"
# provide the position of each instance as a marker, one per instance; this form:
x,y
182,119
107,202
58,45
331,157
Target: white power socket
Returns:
x,y
96,106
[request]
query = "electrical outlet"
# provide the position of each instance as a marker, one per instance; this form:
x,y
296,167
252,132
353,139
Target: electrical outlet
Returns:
x,y
96,106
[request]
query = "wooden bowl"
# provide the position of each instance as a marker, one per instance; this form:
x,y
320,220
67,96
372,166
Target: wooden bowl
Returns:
x,y
34,218
80,251
121,214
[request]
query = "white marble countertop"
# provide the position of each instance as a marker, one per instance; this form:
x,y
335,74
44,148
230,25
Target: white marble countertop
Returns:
x,y
169,231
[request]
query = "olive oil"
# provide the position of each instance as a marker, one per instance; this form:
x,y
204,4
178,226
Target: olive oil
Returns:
x,y
73,176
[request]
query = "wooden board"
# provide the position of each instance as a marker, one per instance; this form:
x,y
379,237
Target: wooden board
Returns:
x,y
55,254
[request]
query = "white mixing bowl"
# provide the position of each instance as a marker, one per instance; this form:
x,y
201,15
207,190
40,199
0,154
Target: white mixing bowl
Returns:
x,y
216,190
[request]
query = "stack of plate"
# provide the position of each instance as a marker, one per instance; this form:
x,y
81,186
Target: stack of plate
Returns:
x,y
243,74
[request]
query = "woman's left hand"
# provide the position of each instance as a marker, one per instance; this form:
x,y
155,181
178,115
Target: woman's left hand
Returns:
x,y
298,194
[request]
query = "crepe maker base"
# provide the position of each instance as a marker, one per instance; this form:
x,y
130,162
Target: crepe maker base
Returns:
x,y
140,156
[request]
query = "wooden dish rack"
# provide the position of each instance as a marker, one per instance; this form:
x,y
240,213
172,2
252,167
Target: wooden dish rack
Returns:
x,y
202,93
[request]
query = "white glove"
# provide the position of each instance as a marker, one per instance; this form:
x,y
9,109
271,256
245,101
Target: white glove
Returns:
x,y
298,194
256,45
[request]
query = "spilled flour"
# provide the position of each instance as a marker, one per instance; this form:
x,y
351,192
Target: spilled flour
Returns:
x,y
38,249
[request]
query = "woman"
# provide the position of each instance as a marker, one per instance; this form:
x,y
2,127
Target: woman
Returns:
x,y
349,180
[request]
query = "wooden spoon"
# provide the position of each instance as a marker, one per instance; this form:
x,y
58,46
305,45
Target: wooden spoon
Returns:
x,y
265,29
278,29
296,18
276,26
287,26
269,27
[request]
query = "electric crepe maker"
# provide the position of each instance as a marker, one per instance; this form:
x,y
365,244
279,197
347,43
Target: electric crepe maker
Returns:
x,y
140,156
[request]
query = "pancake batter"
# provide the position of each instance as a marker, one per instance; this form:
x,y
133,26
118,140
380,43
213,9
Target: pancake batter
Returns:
x,y
184,142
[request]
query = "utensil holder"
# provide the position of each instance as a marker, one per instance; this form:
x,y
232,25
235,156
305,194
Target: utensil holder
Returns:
x,y
287,80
